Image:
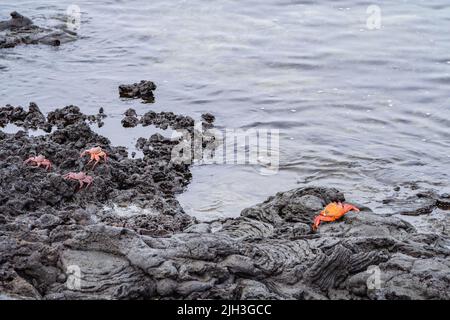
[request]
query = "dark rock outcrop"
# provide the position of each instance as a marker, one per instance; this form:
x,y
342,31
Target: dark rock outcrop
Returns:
x,y
362,257
143,90
31,119
131,120
35,119
17,21
21,30
127,237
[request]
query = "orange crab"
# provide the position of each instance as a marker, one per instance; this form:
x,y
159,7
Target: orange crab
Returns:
x,y
81,177
332,212
38,161
96,154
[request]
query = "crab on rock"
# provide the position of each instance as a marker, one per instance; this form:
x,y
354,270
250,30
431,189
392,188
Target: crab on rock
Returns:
x,y
96,154
81,177
38,161
332,212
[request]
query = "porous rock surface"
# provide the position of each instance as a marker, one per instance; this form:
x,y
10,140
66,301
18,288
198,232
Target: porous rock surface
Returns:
x,y
35,119
60,243
143,90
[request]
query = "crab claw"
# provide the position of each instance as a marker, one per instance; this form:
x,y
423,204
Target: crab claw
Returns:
x,y
318,219
316,223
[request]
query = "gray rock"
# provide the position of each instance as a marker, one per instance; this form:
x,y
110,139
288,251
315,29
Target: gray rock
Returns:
x,y
143,90
17,21
21,30
71,247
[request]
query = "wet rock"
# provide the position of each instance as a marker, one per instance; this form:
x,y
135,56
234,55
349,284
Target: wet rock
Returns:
x,y
131,120
148,177
35,119
66,116
208,120
422,203
143,90
17,21
130,113
21,30
60,243
299,205
331,264
10,114
31,119
117,262
164,120
208,117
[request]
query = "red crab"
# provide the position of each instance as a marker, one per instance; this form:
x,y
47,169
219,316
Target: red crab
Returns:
x,y
332,212
96,154
38,161
81,177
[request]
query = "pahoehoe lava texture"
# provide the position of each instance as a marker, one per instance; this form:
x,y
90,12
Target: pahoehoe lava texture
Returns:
x,y
57,243
21,30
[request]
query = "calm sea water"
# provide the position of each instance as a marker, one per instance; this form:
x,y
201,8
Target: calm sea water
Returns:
x,y
358,109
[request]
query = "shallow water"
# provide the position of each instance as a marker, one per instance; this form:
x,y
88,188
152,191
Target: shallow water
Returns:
x,y
358,109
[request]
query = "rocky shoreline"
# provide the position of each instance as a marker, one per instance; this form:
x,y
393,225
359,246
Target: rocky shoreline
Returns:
x,y
60,243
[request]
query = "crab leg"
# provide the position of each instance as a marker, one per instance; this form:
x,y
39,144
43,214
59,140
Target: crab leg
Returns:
x,y
97,159
321,218
350,207
95,164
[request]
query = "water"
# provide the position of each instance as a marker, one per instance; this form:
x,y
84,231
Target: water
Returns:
x,y
360,110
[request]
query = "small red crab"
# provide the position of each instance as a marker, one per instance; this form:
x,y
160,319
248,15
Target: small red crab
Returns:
x,y
81,177
332,212
38,161
96,154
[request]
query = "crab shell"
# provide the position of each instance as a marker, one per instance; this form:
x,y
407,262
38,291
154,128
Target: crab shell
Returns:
x,y
81,177
39,160
332,212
